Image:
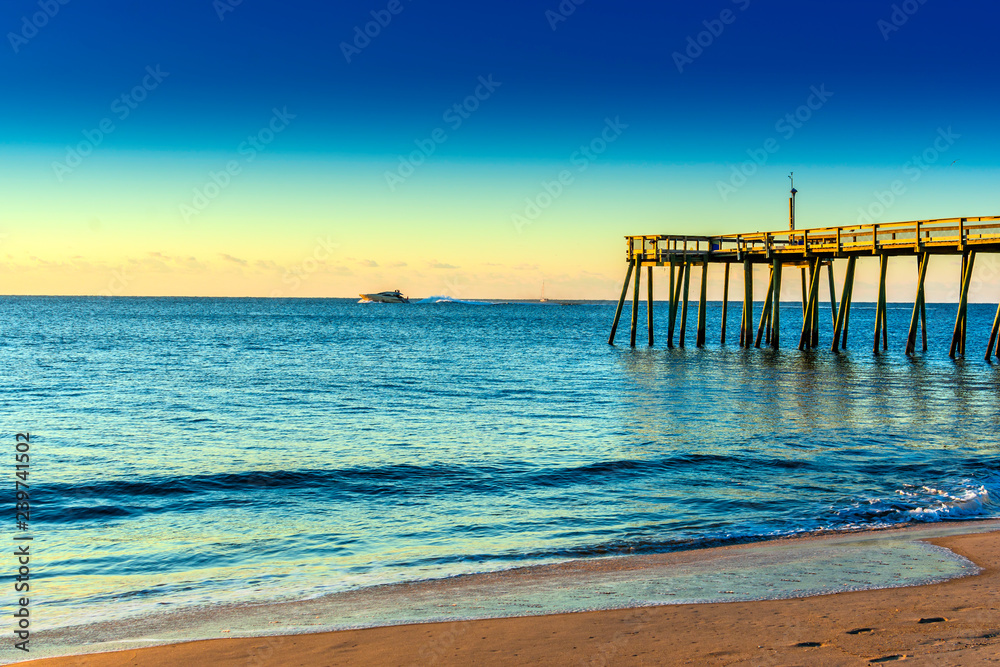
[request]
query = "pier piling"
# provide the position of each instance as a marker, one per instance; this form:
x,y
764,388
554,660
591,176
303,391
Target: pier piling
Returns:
x,y
880,325
918,300
812,301
635,306
670,306
675,295
684,307
845,307
805,292
747,302
993,337
649,303
702,304
725,305
814,327
849,283
958,336
833,292
621,302
765,314
998,337
776,306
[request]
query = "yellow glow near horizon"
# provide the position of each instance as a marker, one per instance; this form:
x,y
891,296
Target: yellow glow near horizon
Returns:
x,y
305,226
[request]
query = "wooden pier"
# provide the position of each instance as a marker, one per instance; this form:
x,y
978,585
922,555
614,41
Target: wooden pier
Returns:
x,y
811,250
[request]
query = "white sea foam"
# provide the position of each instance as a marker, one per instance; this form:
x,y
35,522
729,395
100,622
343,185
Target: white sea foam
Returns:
x,y
965,503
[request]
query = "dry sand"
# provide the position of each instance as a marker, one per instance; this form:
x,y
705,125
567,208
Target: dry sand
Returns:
x,y
952,623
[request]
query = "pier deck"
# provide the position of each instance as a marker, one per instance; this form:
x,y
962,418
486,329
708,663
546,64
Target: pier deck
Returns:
x,y
810,249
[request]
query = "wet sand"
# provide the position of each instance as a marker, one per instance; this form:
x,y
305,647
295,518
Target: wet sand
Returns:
x,y
956,622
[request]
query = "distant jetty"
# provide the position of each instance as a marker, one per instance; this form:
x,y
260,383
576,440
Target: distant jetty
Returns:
x,y
811,250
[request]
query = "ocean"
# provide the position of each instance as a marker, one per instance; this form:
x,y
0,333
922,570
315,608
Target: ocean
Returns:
x,y
197,451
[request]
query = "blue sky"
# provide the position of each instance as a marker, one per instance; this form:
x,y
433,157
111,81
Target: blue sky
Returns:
x,y
895,75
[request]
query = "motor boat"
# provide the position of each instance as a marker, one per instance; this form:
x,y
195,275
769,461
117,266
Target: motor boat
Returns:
x,y
394,296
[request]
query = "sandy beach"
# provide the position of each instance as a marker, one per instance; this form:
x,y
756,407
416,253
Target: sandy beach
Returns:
x,y
956,622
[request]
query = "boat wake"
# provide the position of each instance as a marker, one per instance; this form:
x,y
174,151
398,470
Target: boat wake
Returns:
x,y
450,299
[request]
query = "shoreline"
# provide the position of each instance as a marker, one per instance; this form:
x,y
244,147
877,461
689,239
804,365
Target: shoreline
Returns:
x,y
514,637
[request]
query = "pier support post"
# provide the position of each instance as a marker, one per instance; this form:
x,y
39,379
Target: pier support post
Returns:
x,y
998,338
961,342
849,283
880,320
805,293
923,322
911,336
963,304
725,303
684,307
635,302
748,302
993,337
814,327
670,307
812,301
765,314
776,307
675,294
621,303
833,292
743,323
649,303
702,301
845,306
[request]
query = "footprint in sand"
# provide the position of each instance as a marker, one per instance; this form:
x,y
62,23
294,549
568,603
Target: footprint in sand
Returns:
x,y
888,658
809,644
933,619
858,631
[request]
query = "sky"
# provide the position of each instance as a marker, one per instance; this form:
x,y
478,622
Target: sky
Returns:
x,y
477,150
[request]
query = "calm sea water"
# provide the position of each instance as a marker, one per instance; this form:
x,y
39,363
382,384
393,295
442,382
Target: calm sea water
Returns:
x,y
189,451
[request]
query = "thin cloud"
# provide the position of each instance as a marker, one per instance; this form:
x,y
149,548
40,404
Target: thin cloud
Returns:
x,y
230,258
267,265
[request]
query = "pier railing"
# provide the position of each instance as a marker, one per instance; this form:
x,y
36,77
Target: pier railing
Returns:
x,y
943,235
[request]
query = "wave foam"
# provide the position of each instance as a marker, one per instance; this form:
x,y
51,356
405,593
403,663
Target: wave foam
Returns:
x,y
966,503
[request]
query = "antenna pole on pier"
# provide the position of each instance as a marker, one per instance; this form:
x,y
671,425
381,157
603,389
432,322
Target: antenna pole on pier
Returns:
x,y
791,203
